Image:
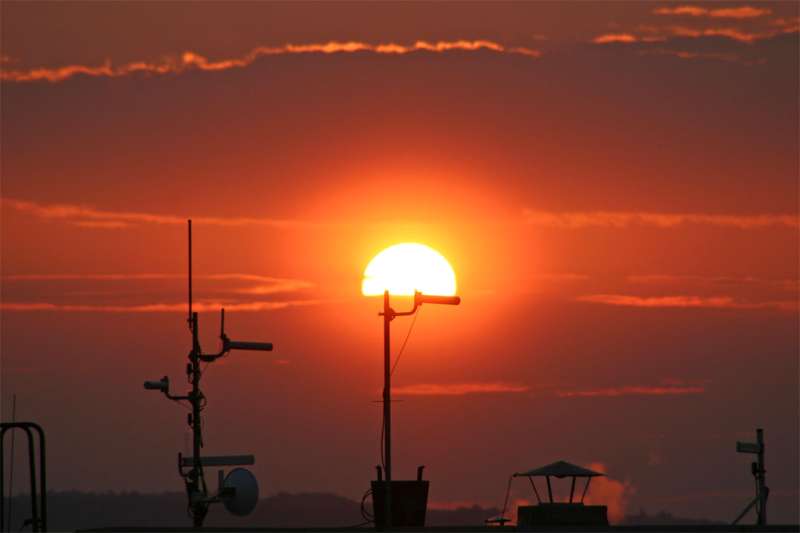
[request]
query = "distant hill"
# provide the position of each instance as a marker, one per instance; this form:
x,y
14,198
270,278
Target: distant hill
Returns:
x,y
81,510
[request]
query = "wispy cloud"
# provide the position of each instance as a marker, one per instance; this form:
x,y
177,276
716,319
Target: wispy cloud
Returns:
x,y
671,279
635,390
623,219
706,29
741,12
194,61
734,34
686,54
560,277
458,389
684,301
150,276
265,284
615,38
95,218
90,217
200,307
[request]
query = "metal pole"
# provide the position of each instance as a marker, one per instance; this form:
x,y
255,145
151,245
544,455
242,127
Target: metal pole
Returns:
x,y
762,488
536,492
42,477
387,408
3,480
32,474
199,509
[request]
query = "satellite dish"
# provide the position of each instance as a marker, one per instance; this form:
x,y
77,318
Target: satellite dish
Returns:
x,y
245,491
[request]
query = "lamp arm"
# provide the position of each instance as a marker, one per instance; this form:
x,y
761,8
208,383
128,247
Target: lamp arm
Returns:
x,y
420,299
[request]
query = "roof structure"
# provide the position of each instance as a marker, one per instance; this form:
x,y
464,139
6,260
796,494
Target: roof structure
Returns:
x,y
559,469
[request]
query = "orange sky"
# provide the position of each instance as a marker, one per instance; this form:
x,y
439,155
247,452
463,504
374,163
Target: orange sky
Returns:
x,y
615,185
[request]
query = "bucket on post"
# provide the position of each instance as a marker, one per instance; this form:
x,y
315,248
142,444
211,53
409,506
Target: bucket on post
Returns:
x,y
409,500
409,503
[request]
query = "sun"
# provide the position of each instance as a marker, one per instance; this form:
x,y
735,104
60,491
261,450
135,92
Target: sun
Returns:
x,y
405,268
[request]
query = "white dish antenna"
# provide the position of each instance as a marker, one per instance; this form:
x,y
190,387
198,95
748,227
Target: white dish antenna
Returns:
x,y
245,491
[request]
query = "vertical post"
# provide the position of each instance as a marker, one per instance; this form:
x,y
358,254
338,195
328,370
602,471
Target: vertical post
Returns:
x,y
585,488
387,409
549,489
198,508
762,488
42,477
32,474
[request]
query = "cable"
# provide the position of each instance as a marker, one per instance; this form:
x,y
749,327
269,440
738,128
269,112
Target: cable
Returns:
x,y
391,373
364,513
405,341
508,493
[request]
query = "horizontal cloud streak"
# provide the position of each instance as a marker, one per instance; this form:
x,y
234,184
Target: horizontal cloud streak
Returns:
x,y
193,61
264,285
155,307
664,279
623,219
685,54
144,276
457,389
683,301
615,38
85,216
91,217
742,12
614,392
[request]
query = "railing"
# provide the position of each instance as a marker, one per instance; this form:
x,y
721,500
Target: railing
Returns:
x,y
38,519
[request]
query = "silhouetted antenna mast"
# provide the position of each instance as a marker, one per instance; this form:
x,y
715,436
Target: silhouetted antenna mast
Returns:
x,y
238,491
189,319
760,475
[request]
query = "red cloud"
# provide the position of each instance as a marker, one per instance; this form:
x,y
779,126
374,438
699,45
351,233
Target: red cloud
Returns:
x,y
193,61
614,392
84,216
742,12
622,219
715,302
457,389
155,307
783,284
615,38
730,33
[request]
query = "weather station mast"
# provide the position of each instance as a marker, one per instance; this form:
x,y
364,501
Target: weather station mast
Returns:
x,y
238,491
406,269
409,498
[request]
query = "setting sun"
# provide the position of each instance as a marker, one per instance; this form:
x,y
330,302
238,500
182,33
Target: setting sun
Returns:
x,y
405,268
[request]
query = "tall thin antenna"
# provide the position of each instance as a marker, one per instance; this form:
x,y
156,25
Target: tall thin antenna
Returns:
x,y
189,319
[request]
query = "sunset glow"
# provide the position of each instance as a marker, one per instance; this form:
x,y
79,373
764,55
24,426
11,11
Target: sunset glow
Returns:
x,y
597,203
405,268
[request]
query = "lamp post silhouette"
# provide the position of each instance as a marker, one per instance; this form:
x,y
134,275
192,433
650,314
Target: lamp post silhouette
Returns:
x,y
388,315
